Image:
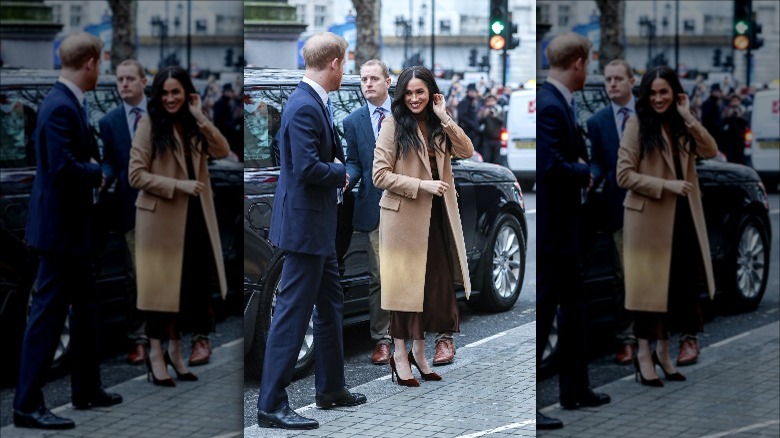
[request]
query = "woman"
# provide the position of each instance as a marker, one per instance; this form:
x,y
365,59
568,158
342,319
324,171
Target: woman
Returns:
x,y
421,247
664,229
177,240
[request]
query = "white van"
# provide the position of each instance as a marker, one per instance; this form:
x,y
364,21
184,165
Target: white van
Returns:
x,y
521,127
765,127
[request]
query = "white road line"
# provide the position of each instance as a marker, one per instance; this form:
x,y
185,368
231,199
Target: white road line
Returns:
x,y
731,339
774,212
742,429
498,429
482,341
230,435
527,212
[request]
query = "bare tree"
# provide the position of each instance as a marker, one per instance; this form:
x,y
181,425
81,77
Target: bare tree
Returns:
x,y
123,18
367,24
612,23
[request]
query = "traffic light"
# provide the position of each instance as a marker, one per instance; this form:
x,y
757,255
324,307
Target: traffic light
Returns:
x,y
743,24
716,58
473,58
755,41
511,39
497,24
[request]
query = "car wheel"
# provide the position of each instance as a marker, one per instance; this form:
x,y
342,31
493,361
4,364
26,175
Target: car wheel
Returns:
x,y
748,261
505,270
253,362
62,351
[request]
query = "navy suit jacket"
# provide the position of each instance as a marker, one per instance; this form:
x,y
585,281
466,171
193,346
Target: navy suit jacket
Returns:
x,y
305,209
116,160
359,133
60,217
604,145
560,177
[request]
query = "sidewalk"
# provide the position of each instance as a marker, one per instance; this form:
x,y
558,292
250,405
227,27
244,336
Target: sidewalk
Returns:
x,y
490,390
734,390
209,407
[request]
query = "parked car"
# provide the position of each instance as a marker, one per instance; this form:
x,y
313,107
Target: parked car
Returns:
x,y
491,209
736,212
521,125
21,91
764,148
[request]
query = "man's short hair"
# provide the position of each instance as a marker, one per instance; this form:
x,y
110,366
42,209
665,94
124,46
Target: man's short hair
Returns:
x,y
625,65
381,64
77,48
322,48
566,48
133,62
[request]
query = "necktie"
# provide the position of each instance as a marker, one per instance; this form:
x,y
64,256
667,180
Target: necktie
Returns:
x,y
625,113
330,112
381,113
574,110
136,112
86,110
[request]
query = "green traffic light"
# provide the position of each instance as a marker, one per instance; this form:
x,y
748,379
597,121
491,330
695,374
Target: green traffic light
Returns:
x,y
497,27
741,27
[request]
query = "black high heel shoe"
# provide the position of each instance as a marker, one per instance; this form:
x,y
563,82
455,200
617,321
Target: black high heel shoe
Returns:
x,y
646,382
403,382
669,376
158,382
430,376
181,376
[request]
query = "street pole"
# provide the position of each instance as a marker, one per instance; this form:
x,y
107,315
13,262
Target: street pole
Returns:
x,y
433,36
748,58
189,36
677,36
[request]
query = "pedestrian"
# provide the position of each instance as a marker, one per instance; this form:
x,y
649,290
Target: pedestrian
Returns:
x,y
711,111
422,251
60,227
228,113
361,129
308,192
117,129
735,127
491,120
178,250
467,115
605,129
562,177
664,235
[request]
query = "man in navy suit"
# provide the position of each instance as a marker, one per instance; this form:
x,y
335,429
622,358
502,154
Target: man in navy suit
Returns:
x,y
605,129
303,224
361,129
117,129
562,176
59,226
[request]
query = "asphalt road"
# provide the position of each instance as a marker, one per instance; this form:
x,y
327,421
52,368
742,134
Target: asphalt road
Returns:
x,y
474,325
722,326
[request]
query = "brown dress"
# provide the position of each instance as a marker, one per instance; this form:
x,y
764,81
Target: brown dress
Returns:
x,y
440,309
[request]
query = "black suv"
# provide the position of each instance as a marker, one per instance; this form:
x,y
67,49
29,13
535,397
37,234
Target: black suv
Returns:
x,y
491,209
21,91
736,212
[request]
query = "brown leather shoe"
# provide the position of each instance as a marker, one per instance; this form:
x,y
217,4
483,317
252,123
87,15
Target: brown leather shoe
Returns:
x,y
381,354
201,352
445,352
624,354
689,352
137,354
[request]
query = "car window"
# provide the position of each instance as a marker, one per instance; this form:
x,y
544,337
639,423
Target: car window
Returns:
x,y
262,120
17,124
345,101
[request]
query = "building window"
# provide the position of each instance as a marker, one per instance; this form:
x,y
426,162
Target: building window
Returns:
x,y
563,15
56,13
445,27
75,16
227,25
300,11
319,15
543,13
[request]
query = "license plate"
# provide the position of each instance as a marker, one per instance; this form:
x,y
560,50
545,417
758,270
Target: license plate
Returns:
x,y
769,144
525,144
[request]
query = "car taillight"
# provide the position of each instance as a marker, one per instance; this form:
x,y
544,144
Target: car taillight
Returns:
x,y
748,138
504,137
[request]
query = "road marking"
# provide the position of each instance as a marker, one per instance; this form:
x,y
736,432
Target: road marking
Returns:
x,y
742,429
229,435
774,212
527,212
731,339
482,341
498,429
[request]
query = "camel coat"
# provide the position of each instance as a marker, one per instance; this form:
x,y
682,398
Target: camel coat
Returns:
x,y
648,222
405,213
161,215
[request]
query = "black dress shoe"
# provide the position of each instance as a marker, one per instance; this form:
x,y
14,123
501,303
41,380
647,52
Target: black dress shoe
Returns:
x,y
588,399
285,418
42,418
341,398
100,399
546,423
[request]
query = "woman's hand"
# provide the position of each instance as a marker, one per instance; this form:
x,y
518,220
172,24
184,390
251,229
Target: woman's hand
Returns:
x,y
679,187
196,108
434,187
684,108
191,187
439,107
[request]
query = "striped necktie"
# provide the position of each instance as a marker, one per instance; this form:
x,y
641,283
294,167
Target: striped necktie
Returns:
x,y
625,113
136,112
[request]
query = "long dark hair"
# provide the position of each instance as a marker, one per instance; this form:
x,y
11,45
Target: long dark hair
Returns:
x,y
651,124
163,138
406,125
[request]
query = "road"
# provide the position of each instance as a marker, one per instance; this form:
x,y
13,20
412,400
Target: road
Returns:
x,y
474,325
722,326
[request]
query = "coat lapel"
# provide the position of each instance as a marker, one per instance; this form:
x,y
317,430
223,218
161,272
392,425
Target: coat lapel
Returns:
x,y
368,127
423,153
179,152
667,152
